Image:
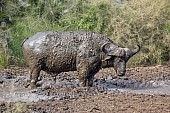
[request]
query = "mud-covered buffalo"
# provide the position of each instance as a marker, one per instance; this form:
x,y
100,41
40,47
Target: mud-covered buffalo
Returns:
x,y
83,51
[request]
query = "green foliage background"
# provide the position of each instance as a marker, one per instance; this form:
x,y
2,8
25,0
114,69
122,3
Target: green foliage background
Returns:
x,y
143,22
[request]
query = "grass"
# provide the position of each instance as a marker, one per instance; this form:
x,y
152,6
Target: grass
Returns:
x,y
3,59
143,22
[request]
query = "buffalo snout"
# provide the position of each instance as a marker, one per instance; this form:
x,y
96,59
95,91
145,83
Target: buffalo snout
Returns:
x,y
121,73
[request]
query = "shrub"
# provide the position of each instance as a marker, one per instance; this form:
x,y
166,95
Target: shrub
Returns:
x,y
132,22
144,22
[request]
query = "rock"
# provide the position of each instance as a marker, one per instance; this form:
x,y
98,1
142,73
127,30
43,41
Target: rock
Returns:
x,y
1,81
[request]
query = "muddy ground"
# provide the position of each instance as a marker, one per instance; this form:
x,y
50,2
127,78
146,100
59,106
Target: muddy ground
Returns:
x,y
143,90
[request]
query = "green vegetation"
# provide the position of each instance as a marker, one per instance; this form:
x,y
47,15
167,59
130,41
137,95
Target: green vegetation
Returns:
x,y
143,22
3,60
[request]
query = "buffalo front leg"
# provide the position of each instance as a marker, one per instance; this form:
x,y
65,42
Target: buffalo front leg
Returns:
x,y
87,62
90,79
82,78
34,74
86,71
82,68
92,73
85,77
87,68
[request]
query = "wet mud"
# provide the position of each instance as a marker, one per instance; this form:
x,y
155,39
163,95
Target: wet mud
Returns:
x,y
144,89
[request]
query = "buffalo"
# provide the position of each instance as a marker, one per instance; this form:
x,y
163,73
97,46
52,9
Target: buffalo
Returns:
x,y
82,51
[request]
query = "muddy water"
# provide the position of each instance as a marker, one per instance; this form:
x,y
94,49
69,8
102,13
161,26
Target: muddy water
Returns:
x,y
15,88
138,87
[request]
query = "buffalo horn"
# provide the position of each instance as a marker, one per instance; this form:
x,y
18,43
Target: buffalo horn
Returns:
x,y
133,52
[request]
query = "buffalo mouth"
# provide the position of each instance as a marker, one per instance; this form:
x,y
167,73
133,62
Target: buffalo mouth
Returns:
x,y
121,73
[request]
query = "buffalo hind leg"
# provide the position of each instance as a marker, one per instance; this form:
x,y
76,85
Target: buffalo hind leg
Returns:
x,y
34,74
54,76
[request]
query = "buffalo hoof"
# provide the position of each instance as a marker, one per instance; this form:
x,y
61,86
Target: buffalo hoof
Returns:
x,y
85,84
33,85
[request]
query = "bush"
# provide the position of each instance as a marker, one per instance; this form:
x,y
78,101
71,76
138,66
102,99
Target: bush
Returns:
x,y
132,22
84,18
144,22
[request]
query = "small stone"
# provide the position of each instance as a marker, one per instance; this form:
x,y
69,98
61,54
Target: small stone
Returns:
x,y
1,81
110,77
8,75
65,108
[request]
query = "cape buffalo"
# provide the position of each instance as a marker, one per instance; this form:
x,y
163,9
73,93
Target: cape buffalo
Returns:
x,y
82,51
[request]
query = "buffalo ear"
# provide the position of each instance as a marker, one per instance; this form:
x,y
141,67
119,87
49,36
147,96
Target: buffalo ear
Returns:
x,y
108,48
112,50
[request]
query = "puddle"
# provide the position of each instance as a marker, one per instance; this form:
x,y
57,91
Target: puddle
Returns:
x,y
12,89
22,97
158,87
138,87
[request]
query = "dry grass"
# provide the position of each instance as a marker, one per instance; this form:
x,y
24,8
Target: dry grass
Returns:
x,y
143,22
140,22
